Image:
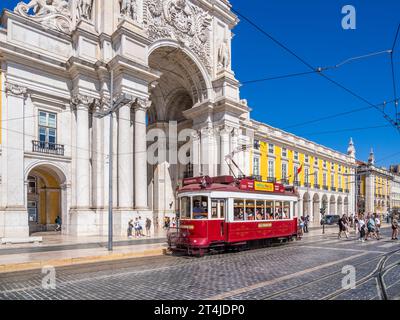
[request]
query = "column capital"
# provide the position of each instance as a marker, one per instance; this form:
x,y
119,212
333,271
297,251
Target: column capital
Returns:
x,y
16,90
141,104
81,101
225,130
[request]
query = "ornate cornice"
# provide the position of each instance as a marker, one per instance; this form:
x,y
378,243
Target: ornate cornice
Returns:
x,y
83,101
141,104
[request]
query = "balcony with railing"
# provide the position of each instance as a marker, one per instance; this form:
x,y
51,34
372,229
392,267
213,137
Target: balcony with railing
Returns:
x,y
316,186
333,188
347,190
48,148
296,183
340,189
307,184
284,181
271,179
325,188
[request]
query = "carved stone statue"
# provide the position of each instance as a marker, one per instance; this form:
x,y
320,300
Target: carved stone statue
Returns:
x,y
129,9
223,55
52,14
85,9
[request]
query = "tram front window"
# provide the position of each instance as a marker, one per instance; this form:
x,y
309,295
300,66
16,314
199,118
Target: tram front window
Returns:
x,y
260,210
185,208
200,207
269,208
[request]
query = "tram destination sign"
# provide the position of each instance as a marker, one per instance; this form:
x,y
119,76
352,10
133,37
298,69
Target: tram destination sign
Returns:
x,y
252,185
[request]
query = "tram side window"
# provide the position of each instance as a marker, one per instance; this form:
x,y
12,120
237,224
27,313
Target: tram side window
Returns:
x,y
238,210
200,207
278,210
185,208
260,210
250,210
269,208
286,210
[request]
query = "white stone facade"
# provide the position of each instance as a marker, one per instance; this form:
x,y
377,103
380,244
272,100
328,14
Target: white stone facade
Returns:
x,y
171,58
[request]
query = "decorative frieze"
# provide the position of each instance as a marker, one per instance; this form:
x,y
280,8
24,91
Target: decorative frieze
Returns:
x,y
15,90
182,21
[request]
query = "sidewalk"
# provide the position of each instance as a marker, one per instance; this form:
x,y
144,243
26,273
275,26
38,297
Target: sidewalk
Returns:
x,y
60,250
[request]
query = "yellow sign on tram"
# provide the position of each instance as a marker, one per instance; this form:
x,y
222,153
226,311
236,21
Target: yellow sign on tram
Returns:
x,y
264,186
265,225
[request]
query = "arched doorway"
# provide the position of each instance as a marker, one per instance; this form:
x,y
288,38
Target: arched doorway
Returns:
x,y
332,205
346,205
339,206
182,85
316,207
44,197
306,204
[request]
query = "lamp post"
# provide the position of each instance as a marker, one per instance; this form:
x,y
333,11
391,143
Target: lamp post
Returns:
x,y
114,106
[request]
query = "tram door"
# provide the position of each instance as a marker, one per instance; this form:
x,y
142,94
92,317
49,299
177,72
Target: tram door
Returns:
x,y
216,226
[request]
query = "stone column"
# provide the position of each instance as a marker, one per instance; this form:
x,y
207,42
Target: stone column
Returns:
x,y
224,168
234,146
14,197
369,193
196,154
81,104
140,107
125,159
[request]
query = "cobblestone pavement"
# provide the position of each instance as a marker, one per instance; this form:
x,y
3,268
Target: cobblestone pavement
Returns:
x,y
307,269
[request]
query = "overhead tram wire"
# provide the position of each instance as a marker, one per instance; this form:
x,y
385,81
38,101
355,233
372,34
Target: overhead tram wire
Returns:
x,y
287,49
394,76
348,130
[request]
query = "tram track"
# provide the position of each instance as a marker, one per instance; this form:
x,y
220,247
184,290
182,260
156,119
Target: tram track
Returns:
x,y
378,270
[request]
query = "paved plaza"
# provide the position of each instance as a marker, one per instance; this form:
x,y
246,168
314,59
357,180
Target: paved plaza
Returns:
x,y
308,269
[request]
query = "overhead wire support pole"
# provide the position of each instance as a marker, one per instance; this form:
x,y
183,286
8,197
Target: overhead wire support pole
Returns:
x,y
397,116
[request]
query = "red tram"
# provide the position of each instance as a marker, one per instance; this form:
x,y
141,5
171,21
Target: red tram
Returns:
x,y
221,213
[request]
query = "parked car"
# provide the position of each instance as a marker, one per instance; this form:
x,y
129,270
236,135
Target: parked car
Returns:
x,y
330,219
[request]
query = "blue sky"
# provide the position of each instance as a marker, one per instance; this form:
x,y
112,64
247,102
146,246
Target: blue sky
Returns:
x,y
312,29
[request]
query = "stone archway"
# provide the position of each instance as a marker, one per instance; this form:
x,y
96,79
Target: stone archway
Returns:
x,y
346,205
182,85
339,206
45,197
332,205
316,207
306,204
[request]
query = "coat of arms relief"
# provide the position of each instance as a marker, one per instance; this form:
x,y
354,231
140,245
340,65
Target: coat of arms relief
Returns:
x,y
181,21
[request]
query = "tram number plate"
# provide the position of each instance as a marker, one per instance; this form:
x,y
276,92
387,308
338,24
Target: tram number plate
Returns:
x,y
265,225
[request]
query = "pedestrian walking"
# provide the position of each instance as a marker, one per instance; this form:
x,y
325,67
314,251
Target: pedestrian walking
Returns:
x,y
371,229
148,226
343,227
395,227
141,227
173,222
361,227
136,227
130,228
58,223
377,227
306,223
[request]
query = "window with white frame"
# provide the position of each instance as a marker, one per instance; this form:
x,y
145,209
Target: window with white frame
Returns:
x,y
315,161
284,171
332,166
316,177
47,128
296,175
256,166
340,181
296,155
306,158
325,164
271,169
332,180
270,148
306,175
284,152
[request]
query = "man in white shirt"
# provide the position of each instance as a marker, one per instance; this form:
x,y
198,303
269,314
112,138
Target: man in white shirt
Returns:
x,y
377,227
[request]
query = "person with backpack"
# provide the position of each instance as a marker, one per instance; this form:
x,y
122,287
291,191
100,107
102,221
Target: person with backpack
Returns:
x,y
395,227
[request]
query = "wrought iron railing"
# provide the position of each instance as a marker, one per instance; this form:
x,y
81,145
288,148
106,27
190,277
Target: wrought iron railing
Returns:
x,y
48,148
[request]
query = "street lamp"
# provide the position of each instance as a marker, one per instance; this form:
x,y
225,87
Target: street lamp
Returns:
x,y
114,106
